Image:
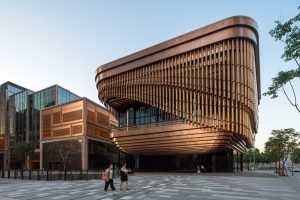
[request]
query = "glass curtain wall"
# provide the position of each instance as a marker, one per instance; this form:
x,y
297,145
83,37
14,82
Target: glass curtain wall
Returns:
x,y
143,115
101,154
42,99
39,101
11,89
63,155
64,96
6,90
18,109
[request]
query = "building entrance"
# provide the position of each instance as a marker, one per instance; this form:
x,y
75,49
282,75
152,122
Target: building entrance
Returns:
x,y
216,162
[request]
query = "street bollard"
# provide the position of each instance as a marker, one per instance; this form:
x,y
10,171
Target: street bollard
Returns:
x,y
47,175
59,175
65,178
22,174
80,175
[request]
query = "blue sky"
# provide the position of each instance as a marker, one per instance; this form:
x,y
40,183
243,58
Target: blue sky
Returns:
x,y
63,42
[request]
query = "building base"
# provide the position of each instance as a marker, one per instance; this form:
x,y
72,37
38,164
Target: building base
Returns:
x,y
226,161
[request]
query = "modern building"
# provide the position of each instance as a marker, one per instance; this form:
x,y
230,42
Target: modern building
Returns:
x,y
20,118
192,100
6,90
75,136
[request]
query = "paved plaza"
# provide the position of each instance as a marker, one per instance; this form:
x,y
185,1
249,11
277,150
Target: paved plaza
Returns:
x,y
147,186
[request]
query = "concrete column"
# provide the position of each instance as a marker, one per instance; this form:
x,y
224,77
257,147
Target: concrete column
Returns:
x,y
5,160
137,162
41,155
84,153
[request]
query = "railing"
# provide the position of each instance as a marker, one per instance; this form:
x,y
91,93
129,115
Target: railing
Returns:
x,y
51,175
150,125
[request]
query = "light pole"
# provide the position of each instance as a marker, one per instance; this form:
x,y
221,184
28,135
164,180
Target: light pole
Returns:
x,y
254,159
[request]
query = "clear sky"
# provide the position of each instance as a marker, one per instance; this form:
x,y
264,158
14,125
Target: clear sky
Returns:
x,y
63,42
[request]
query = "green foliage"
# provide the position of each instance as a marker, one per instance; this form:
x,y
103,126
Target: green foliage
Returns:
x,y
282,143
282,78
265,158
249,155
21,151
260,157
289,33
296,156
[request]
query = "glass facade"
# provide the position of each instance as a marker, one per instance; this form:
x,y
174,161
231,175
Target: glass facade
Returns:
x,y
6,90
143,115
64,96
18,108
20,114
39,100
12,89
6,120
214,162
101,154
42,99
23,113
1,161
63,155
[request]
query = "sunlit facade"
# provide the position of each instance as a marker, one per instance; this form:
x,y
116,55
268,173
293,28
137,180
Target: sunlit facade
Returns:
x,y
75,136
190,100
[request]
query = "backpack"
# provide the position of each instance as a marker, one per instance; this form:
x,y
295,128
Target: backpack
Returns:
x,y
104,176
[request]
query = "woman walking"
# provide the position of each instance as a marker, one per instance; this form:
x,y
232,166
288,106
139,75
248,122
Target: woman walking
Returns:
x,y
124,176
109,178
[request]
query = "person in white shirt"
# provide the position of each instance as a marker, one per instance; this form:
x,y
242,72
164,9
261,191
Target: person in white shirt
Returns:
x,y
109,178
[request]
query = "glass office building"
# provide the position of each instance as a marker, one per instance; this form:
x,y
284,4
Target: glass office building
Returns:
x,y
54,95
6,91
20,116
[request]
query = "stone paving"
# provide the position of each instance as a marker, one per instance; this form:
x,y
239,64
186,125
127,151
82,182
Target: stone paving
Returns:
x,y
151,186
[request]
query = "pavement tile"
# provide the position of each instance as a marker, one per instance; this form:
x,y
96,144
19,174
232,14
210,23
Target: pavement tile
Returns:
x,y
150,186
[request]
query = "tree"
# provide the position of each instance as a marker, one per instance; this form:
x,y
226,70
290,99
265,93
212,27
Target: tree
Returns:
x,y
265,157
281,145
289,34
260,157
63,152
296,156
248,156
21,151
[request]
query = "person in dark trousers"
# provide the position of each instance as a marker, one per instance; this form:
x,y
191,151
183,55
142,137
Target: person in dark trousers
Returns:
x,y
124,176
109,180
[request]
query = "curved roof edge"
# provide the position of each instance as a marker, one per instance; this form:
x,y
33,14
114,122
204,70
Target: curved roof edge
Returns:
x,y
242,26
216,26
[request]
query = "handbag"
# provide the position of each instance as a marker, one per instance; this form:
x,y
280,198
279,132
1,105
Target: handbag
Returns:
x,y
104,176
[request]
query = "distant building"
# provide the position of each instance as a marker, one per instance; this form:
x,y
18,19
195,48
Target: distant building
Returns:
x,y
6,90
20,118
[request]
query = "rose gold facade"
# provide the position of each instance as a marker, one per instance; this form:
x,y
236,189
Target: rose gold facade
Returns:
x,y
208,79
